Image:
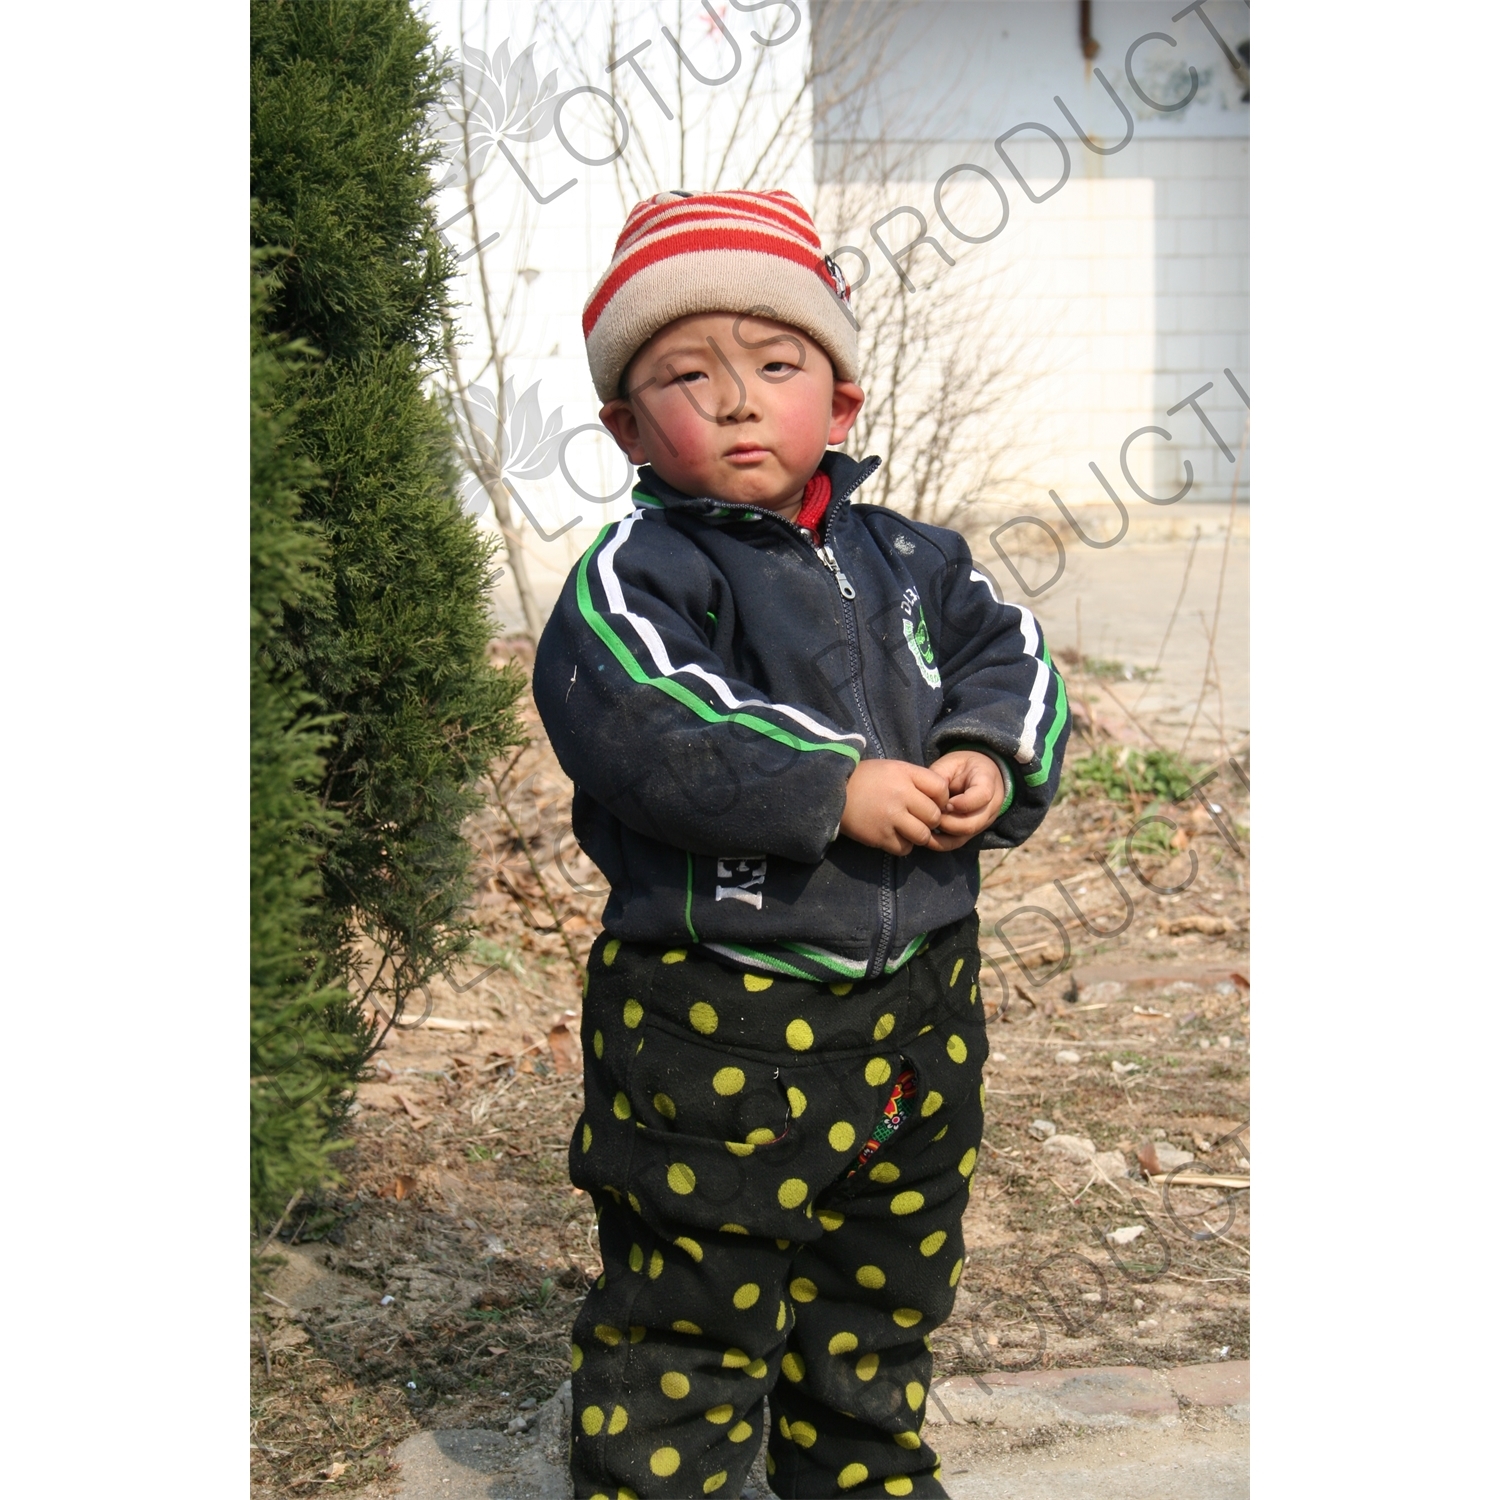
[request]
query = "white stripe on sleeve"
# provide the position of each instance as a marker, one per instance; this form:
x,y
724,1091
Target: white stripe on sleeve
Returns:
x,y
657,650
1026,749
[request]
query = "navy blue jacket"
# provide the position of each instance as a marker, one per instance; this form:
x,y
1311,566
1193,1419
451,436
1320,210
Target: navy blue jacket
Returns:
x,y
710,678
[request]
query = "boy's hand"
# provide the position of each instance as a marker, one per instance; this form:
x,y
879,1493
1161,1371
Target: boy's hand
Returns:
x,y
894,805
975,791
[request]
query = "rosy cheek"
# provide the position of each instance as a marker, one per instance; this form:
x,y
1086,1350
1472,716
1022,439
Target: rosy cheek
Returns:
x,y
801,434
666,421
685,429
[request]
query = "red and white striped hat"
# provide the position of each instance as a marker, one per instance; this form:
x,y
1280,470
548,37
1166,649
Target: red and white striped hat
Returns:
x,y
683,253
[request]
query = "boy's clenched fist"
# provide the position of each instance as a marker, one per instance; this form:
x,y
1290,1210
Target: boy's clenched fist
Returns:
x,y
895,806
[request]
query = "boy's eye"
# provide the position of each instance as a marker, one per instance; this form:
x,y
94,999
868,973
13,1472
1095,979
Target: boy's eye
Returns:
x,y
688,375
777,370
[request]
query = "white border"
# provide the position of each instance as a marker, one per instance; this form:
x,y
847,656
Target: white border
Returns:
x,y
1373,323
124,619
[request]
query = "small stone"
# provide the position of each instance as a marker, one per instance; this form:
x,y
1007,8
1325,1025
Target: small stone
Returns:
x,y
1139,1305
1112,1164
1067,1058
516,1424
1076,1148
1225,1043
529,1404
1104,990
1171,1158
1040,1130
1126,1235
1120,1069
998,1057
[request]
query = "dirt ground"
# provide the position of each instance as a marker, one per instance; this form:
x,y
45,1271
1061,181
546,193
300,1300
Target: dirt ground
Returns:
x,y
436,1285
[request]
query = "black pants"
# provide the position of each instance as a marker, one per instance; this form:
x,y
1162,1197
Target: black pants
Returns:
x,y
722,1111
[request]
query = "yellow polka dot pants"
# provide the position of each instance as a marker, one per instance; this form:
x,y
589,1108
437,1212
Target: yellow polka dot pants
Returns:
x,y
722,1111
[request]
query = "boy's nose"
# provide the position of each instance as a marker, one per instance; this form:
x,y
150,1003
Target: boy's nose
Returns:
x,y
737,403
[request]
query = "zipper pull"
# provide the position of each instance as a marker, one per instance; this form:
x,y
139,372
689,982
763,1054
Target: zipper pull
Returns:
x,y
830,562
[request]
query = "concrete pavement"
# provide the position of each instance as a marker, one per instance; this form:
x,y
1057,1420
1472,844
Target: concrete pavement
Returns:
x,y
1125,1432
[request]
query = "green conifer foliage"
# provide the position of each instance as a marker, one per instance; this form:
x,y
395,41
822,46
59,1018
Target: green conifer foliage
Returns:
x,y
304,1035
397,646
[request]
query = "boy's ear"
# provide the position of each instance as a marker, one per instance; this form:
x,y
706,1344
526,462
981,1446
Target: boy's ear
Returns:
x,y
847,401
624,428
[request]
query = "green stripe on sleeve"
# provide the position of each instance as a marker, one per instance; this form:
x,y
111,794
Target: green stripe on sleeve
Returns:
x,y
687,906
1059,718
1010,790
674,689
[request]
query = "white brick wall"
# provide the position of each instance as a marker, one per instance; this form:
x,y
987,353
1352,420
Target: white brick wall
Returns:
x,y
1136,293
1203,311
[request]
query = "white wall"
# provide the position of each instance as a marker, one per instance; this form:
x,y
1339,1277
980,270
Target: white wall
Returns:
x,y
1132,281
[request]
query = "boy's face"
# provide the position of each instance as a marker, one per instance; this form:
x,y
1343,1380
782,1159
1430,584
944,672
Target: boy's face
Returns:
x,y
733,407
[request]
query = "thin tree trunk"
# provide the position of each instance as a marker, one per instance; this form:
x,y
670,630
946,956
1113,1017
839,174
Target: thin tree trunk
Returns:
x,y
515,551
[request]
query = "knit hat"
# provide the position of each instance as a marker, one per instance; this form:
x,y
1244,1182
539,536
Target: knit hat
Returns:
x,y
683,253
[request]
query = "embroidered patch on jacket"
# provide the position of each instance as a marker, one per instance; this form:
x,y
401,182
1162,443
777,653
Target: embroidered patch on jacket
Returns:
x,y
738,879
917,639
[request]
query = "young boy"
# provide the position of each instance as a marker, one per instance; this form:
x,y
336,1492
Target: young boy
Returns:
x,y
792,724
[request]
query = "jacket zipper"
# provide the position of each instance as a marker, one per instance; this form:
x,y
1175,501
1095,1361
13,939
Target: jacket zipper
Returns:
x,y
887,902
825,555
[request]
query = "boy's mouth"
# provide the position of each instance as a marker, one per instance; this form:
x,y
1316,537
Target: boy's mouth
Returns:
x,y
745,453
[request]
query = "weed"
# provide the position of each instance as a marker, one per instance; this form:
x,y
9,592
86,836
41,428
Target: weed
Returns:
x,y
486,952
479,1153
1128,775
1154,838
1103,669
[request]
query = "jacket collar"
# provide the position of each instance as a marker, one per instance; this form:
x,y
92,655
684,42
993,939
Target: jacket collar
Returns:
x,y
845,473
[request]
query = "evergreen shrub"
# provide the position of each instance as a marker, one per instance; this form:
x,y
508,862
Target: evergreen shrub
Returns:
x,y
395,647
305,1036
